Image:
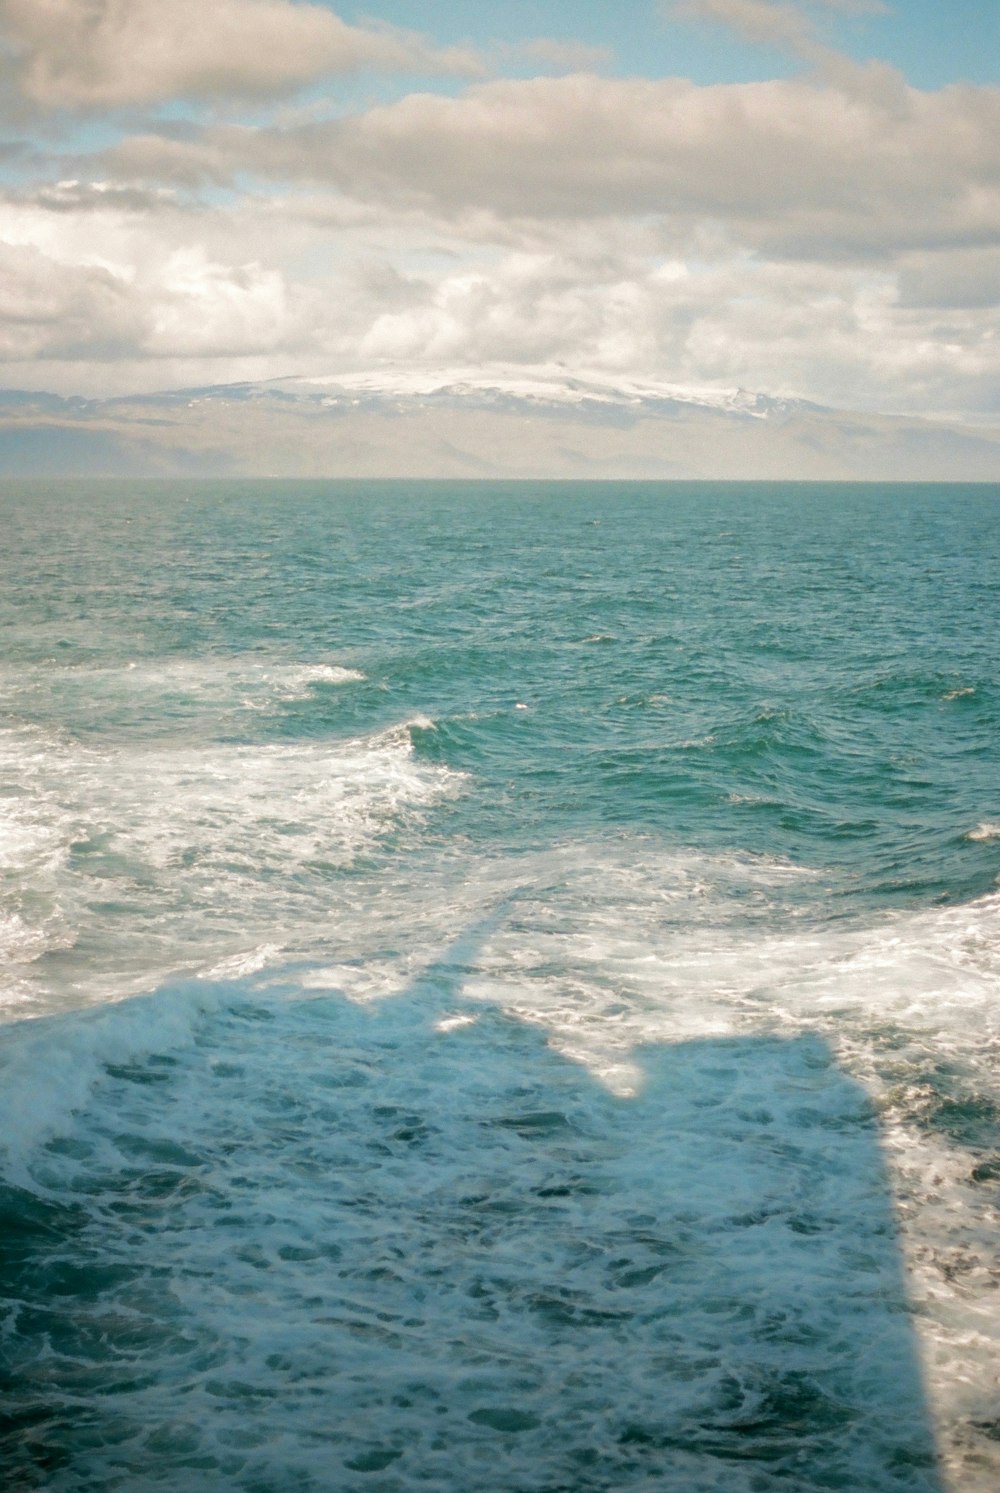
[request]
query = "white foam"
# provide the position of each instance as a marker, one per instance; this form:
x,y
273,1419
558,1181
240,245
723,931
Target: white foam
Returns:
x,y
988,829
19,943
248,962
277,806
436,1246
184,685
609,949
299,681
24,837
174,855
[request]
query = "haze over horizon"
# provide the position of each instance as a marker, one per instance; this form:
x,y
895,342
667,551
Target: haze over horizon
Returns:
x,y
798,199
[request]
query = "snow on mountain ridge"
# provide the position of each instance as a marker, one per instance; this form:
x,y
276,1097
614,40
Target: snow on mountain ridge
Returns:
x,y
548,386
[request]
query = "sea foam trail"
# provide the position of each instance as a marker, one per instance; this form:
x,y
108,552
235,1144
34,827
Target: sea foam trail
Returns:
x,y
611,948
631,982
168,689
609,1190
148,852
450,1258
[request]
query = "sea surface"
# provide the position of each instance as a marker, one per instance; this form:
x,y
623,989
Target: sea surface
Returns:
x,y
500,987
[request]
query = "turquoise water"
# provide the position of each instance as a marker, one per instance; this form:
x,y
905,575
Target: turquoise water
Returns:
x,y
500,986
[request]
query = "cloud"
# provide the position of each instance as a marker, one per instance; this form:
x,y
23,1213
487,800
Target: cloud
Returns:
x,y
792,167
107,53
832,235
759,21
182,304
773,23
163,295
841,336
531,307
189,160
49,309
798,31
202,308
963,279
73,197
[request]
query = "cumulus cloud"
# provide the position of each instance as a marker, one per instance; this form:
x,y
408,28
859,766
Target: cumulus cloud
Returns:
x,y
106,53
828,330
48,309
167,295
832,235
203,308
179,303
790,166
531,307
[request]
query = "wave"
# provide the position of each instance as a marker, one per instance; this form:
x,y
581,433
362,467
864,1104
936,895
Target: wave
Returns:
x,y
52,1065
148,853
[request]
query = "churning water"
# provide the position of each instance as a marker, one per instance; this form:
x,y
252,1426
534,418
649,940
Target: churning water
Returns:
x,y
501,987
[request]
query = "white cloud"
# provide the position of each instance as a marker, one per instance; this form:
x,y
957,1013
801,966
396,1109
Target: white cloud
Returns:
x,y
174,297
73,196
791,167
833,333
108,283
48,309
832,236
964,278
205,308
106,53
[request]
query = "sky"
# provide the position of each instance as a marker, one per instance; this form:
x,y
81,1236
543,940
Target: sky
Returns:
x,y
798,197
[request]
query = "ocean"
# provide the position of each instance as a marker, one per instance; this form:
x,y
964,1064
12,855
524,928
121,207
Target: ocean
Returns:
x,y
500,987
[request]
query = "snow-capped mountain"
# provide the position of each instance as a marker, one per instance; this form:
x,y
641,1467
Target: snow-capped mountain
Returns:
x,y
544,422
540,386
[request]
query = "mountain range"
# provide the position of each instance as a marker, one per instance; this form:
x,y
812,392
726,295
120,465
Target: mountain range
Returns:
x,y
455,423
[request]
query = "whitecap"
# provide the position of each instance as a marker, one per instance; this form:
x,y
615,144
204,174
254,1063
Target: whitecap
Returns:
x,y
298,682
165,855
